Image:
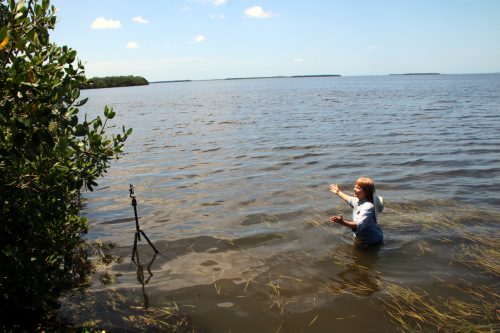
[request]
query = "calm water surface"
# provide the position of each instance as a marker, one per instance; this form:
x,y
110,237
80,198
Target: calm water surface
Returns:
x,y
232,181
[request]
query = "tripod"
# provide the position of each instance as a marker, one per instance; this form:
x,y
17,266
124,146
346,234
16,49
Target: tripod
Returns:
x,y
138,230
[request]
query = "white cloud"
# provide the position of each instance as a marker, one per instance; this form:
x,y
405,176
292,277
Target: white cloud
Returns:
x,y
298,60
132,45
199,38
212,2
102,23
140,20
217,17
258,12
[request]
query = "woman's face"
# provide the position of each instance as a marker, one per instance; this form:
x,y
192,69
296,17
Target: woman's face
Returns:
x,y
359,192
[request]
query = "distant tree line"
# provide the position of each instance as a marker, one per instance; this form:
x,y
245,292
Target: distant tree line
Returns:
x,y
114,81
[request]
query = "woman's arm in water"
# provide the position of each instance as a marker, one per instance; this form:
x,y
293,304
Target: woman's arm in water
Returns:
x,y
334,188
338,219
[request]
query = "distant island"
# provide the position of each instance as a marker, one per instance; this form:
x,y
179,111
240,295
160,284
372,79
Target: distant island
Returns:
x,y
115,81
417,74
319,75
171,81
281,77
255,77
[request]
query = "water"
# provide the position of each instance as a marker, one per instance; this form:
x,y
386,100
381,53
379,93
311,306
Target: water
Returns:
x,y
232,182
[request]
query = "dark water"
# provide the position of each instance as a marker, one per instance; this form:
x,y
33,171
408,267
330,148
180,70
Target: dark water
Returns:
x,y
232,181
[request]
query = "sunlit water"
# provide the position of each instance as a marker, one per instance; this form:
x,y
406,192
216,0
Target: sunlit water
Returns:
x,y
231,179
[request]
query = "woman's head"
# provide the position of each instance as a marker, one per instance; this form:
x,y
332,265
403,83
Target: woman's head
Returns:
x,y
364,189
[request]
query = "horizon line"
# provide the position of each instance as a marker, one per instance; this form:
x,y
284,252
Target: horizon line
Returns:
x,y
317,75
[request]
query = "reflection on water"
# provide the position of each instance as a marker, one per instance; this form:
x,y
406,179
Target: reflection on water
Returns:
x,y
140,275
359,276
233,180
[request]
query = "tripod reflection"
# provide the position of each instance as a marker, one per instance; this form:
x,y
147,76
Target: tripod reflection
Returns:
x,y
140,275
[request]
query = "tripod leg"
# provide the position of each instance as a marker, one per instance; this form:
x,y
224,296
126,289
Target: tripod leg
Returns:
x,y
135,246
154,248
149,268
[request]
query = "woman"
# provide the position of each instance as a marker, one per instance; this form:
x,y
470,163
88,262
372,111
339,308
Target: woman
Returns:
x,y
364,214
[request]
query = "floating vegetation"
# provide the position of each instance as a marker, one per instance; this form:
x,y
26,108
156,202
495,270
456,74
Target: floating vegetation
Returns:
x,y
277,299
416,310
463,306
485,258
165,319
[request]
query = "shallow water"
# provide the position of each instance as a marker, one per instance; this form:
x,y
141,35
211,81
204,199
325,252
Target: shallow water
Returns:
x,y
231,179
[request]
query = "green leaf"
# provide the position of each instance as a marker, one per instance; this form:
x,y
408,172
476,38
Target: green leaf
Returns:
x,y
26,122
38,10
20,5
97,122
61,168
35,40
71,56
75,93
4,37
108,111
79,130
81,102
73,121
72,111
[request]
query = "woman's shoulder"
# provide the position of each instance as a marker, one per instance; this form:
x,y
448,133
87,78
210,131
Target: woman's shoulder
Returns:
x,y
367,205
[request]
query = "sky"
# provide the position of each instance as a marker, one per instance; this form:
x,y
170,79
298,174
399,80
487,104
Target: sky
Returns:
x,y
216,39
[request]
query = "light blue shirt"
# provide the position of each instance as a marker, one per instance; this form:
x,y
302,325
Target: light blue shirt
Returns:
x,y
363,214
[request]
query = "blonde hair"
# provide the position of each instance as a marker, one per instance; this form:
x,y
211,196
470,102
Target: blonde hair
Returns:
x,y
368,186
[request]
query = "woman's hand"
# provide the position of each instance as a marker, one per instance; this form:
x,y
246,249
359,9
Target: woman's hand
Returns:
x,y
334,188
336,219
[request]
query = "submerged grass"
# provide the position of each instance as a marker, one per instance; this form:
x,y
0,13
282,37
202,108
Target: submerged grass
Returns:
x,y
415,310
164,319
475,307
475,256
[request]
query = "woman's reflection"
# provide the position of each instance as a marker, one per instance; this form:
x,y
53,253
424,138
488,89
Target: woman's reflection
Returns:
x,y
358,278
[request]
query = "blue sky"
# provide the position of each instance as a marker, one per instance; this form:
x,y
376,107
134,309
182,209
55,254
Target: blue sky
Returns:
x,y
210,39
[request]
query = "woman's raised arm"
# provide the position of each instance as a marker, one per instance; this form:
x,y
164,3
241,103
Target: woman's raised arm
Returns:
x,y
334,188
